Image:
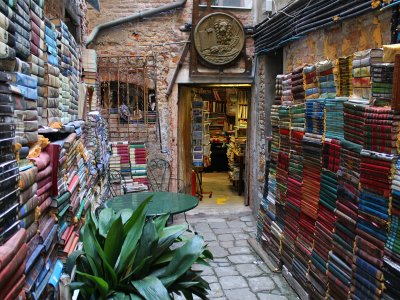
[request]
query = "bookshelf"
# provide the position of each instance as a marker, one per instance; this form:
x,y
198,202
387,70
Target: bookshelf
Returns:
x,y
200,133
241,116
237,141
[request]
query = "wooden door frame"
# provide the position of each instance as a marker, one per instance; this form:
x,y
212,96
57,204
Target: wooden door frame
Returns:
x,y
181,156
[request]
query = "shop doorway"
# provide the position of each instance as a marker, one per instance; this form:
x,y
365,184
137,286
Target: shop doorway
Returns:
x,y
212,141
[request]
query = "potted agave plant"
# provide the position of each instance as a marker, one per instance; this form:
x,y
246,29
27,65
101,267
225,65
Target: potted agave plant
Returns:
x,y
126,255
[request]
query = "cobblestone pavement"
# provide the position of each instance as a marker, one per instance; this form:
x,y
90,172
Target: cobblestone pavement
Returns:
x,y
237,273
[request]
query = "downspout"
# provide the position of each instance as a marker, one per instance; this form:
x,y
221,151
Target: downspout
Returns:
x,y
134,17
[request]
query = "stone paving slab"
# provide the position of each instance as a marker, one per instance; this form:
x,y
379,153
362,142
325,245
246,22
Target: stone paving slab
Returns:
x,y
237,272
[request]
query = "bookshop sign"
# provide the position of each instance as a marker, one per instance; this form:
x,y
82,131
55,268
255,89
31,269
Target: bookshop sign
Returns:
x,y
219,39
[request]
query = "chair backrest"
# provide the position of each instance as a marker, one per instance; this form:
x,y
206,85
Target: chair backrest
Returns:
x,y
159,175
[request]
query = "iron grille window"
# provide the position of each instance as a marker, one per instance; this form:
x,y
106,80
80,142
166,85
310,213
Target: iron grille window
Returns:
x,y
128,96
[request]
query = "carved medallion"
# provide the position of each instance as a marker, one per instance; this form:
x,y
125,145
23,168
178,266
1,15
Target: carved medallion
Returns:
x,y
219,38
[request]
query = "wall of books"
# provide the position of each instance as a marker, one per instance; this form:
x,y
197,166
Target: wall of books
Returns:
x,y
51,163
330,217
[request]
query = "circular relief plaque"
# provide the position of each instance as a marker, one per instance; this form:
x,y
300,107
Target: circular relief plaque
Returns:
x,y
219,38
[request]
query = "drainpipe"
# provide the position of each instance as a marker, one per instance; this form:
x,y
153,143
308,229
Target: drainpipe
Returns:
x,y
134,17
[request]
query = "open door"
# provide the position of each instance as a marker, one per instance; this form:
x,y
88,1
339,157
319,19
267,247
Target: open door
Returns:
x,y
184,135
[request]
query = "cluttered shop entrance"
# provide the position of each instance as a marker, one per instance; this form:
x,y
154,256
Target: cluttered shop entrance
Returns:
x,y
212,135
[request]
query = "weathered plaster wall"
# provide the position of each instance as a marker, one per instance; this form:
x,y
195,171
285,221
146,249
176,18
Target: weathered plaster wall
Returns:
x,y
257,138
268,66
369,31
159,36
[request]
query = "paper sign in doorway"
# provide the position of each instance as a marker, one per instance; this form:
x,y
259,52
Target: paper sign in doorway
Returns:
x,y
220,201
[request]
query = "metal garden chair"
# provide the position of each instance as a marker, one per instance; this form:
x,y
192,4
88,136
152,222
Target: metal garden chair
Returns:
x,y
159,177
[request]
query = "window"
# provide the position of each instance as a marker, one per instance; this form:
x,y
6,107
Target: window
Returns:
x,y
230,3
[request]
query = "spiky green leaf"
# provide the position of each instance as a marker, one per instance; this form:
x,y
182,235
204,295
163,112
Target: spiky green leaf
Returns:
x,y
71,260
91,252
100,283
114,241
133,229
151,288
183,259
110,274
147,245
106,219
161,222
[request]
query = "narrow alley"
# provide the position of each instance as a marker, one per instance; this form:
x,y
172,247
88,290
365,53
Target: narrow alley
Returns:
x,y
237,272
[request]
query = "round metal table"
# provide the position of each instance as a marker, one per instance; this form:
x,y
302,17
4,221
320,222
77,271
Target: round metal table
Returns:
x,y
161,203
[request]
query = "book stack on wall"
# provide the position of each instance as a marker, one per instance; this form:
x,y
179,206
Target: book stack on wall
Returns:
x,y
297,115
121,150
278,90
354,122
382,83
362,61
37,57
119,165
312,149
340,268
63,99
23,28
311,82
343,174
35,93
315,116
293,203
287,95
61,196
334,119
76,208
325,222
344,76
282,168
13,261
97,143
74,76
372,223
326,79
381,130
8,166
138,160
52,76
70,197
68,64
391,259
298,86
43,265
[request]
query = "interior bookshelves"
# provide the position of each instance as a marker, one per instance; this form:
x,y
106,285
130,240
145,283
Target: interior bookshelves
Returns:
x,y
216,112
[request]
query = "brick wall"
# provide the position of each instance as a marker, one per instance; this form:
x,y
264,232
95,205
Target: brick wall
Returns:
x,y
54,9
369,31
146,37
